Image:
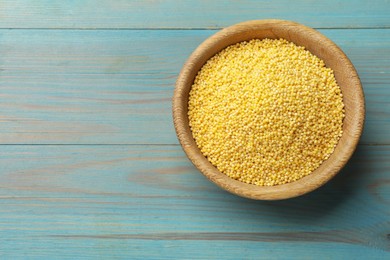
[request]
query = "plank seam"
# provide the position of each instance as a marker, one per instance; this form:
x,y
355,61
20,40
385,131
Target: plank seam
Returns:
x,y
172,28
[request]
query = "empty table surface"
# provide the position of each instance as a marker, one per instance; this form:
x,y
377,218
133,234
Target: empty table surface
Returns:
x,y
90,167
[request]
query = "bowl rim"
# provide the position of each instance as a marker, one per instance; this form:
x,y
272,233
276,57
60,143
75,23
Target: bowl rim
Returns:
x,y
180,118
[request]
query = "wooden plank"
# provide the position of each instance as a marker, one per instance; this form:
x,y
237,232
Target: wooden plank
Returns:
x,y
150,202
189,14
114,87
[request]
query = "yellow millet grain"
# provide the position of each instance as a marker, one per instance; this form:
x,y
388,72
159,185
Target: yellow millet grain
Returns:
x,y
266,112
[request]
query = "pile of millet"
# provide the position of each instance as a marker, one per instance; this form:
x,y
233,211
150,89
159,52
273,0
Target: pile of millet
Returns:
x,y
266,112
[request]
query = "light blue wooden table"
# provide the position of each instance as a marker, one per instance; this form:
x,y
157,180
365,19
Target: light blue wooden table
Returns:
x,y
90,167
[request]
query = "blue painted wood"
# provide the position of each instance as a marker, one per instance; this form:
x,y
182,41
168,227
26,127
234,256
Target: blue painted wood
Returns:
x,y
124,189
115,86
149,201
189,14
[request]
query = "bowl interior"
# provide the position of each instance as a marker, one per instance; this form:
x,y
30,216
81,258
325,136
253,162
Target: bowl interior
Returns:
x,y
317,44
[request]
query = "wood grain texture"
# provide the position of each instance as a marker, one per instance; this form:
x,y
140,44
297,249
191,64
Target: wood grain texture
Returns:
x,y
149,201
346,77
90,77
189,14
115,87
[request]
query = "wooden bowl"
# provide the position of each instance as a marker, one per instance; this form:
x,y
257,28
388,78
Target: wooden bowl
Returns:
x,y
317,44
